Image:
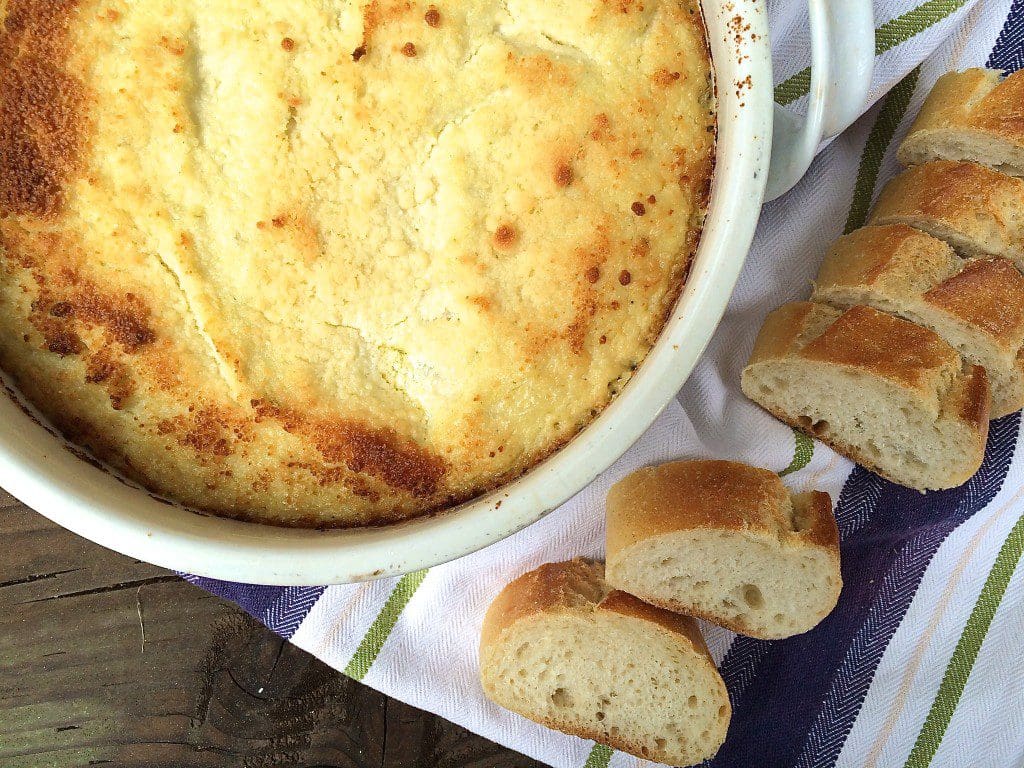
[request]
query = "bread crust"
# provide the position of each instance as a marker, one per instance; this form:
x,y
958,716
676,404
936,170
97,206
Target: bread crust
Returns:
x,y
714,496
879,345
989,295
708,495
894,258
977,103
578,586
906,272
964,203
783,328
814,520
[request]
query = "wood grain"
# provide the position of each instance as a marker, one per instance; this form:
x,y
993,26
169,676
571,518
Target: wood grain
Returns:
x,y
105,660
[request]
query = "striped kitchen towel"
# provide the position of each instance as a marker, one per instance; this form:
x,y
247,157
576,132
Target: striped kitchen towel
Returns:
x,y
921,663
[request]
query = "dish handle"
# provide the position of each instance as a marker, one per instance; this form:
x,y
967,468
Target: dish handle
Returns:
x,y
842,62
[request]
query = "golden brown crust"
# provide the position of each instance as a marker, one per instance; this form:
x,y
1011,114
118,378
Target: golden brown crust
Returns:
x,y
185,290
988,294
967,204
41,105
894,258
578,586
575,585
711,495
814,521
906,264
783,328
633,607
971,401
688,495
944,189
1002,110
879,344
861,338
977,306
572,585
883,346
974,100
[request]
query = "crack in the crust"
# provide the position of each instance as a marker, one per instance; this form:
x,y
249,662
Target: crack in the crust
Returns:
x,y
473,53
223,367
431,147
516,40
380,348
565,48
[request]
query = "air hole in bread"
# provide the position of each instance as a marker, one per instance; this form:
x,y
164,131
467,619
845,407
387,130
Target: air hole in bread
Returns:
x,y
916,461
721,711
692,701
561,698
752,596
599,715
814,427
660,743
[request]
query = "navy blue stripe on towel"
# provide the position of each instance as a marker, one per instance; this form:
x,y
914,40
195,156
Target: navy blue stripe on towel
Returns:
x,y
802,695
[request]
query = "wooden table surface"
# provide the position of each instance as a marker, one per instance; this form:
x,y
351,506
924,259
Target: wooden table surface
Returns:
x,y
105,660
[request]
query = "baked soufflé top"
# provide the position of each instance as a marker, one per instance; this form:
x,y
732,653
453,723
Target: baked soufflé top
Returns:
x,y
339,263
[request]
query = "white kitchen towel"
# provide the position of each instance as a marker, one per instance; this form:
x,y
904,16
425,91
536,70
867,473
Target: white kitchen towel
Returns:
x,y
921,662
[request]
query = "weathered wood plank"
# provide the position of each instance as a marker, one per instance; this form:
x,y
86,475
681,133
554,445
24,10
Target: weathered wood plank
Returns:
x,y
108,661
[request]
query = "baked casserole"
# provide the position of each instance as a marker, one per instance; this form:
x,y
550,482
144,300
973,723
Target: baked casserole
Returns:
x,y
342,263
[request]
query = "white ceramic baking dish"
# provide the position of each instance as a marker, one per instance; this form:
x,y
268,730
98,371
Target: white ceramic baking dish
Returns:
x,y
42,470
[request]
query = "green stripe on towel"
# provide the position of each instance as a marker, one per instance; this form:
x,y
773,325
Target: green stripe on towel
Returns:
x,y
599,757
894,108
914,22
378,632
887,37
966,652
802,453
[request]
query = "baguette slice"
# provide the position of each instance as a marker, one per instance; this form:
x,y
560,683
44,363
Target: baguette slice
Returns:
x,y
980,212
973,115
726,542
975,306
882,391
563,649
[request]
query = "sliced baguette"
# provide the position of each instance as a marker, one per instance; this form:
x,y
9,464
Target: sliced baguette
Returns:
x,y
975,306
726,542
888,394
980,212
561,648
973,115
